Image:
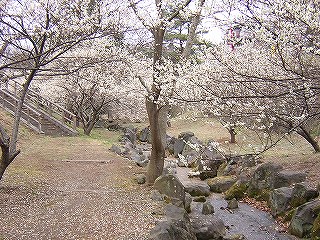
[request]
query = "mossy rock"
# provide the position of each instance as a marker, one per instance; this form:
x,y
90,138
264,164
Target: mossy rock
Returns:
x,y
222,183
288,215
236,191
200,199
221,169
315,231
260,195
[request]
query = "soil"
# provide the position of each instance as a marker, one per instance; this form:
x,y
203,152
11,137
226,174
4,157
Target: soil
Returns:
x,y
73,188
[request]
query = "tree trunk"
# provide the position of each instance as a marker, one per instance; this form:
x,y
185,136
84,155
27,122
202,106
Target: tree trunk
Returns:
x,y
87,130
307,136
193,31
7,156
232,135
156,162
15,129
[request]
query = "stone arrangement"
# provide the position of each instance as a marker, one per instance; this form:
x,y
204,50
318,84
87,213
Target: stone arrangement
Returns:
x,y
287,193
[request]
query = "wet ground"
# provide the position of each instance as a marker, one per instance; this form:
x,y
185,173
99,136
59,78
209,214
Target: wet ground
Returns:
x,y
254,224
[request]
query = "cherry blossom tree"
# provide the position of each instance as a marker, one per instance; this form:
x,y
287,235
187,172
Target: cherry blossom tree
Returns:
x,y
156,17
269,82
105,86
35,34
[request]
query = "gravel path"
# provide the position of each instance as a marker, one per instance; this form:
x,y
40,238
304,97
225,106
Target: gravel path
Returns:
x,y
86,193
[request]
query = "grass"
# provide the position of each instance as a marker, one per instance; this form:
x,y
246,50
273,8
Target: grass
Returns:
x,y
103,135
290,151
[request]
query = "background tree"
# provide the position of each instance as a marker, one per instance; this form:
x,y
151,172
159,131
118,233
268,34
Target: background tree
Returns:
x,y
273,76
34,34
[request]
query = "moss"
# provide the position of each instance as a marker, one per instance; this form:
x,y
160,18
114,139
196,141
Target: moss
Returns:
x,y
236,191
200,199
315,231
288,215
297,201
260,195
220,171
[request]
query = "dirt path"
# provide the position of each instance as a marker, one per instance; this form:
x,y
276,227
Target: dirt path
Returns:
x,y
73,188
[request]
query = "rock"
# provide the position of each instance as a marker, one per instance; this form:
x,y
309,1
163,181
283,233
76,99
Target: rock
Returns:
x,y
209,167
177,226
141,178
144,135
116,149
208,227
192,143
236,237
286,178
140,160
203,175
302,193
130,133
222,169
221,184
315,231
171,186
170,144
237,191
178,147
199,199
170,168
264,176
187,204
303,218
180,143
197,189
233,204
207,208
186,135
156,196
263,180
280,200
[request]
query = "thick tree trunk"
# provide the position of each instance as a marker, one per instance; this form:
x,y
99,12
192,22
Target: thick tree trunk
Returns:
x,y
307,136
7,156
156,162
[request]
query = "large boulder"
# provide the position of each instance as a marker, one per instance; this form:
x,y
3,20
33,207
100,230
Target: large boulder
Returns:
x,y
287,178
197,189
171,186
304,217
280,200
177,226
221,184
302,193
264,176
208,227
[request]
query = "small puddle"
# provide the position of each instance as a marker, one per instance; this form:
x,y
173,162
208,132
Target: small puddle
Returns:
x,y
254,224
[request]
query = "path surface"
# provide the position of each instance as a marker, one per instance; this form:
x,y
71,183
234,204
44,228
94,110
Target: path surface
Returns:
x,y
73,189
251,222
